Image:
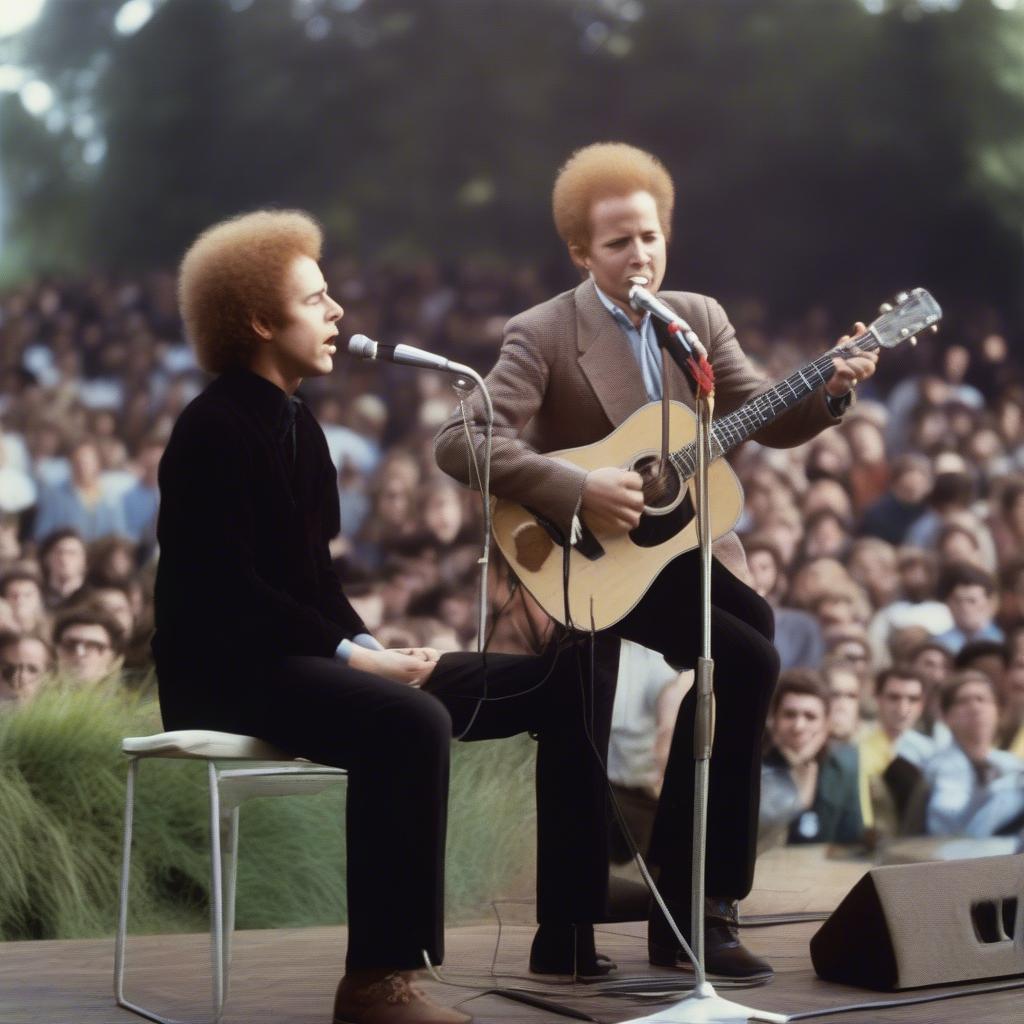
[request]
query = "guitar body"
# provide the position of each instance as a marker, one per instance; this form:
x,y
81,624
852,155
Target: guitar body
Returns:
x,y
608,574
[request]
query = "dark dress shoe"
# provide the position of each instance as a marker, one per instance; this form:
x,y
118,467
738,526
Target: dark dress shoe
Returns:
x,y
554,946
725,957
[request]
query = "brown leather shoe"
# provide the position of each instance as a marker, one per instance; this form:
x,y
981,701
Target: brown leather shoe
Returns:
x,y
388,997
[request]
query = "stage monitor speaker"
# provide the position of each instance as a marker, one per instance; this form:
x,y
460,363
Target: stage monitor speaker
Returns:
x,y
926,924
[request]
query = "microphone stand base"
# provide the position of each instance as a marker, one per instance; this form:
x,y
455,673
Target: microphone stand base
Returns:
x,y
705,1006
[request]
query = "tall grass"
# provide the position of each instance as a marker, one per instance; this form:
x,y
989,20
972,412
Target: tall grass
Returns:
x,y
62,782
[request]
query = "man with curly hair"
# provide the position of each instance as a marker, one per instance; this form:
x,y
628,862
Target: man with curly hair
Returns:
x,y
570,370
254,634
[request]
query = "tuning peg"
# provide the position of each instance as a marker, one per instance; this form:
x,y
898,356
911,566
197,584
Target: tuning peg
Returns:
x,y
903,296
885,307
934,328
913,340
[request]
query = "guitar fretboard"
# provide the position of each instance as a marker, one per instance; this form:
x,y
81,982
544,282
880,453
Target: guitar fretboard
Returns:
x,y
749,418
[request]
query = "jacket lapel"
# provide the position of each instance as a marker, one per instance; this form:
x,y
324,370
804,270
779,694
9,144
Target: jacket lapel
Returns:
x,y
606,359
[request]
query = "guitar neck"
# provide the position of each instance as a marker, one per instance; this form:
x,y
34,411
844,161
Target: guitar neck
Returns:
x,y
732,430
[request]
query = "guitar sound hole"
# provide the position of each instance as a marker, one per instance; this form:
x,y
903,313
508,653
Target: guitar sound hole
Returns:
x,y
661,490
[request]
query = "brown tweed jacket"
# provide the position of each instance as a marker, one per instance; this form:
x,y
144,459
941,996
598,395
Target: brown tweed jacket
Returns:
x,y
566,376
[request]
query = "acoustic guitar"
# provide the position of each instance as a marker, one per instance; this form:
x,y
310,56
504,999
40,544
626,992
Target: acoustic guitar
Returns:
x,y
607,574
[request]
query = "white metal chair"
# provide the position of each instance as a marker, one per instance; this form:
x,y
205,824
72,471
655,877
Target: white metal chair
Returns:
x,y
252,768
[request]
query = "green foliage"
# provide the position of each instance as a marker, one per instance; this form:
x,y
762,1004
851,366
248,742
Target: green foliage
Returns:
x,y
62,780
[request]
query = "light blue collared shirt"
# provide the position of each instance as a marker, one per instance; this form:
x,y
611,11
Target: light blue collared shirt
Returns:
x,y
344,650
644,343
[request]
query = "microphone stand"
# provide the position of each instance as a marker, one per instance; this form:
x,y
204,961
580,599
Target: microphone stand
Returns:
x,y
703,1005
460,385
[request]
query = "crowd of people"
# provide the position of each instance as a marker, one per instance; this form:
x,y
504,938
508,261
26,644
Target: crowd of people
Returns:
x,y
891,547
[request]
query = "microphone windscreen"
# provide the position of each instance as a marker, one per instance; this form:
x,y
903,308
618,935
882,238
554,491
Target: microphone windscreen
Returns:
x,y
362,346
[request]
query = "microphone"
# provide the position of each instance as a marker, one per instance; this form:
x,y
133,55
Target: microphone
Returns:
x,y
644,302
408,355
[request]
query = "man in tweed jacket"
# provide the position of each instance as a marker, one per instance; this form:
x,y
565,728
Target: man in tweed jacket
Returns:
x,y
570,371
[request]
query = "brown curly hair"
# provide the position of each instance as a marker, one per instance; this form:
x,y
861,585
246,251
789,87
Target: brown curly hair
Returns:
x,y
600,171
234,273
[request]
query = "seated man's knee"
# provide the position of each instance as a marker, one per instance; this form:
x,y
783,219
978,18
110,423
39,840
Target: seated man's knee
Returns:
x,y
422,720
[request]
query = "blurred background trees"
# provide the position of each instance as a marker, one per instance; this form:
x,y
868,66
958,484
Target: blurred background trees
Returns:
x,y
824,150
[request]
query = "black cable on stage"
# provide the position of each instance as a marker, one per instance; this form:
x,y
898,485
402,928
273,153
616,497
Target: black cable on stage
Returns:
x,y
888,1004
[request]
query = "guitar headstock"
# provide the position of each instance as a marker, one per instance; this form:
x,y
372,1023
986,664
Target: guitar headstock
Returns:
x,y
915,311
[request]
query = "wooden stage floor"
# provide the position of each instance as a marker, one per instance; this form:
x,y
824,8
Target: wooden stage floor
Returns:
x,y
288,977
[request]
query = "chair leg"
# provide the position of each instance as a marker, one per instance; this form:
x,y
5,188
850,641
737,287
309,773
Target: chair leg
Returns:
x,y
216,894
126,864
229,855
121,941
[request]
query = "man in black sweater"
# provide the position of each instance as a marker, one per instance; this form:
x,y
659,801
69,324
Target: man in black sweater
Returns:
x,y
255,636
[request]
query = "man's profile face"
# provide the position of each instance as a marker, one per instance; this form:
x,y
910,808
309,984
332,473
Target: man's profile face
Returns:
x,y
85,652
303,344
900,705
627,246
973,716
798,726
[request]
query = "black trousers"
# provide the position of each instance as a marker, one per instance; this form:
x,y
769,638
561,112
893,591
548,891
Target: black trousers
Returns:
x,y
746,668
571,713
395,743
394,740
551,696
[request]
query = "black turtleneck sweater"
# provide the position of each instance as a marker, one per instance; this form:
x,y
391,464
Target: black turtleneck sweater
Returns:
x,y
245,576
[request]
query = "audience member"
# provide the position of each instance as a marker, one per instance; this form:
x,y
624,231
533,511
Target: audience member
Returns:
x,y
932,663
808,781
869,471
80,503
24,663
970,788
873,565
141,502
844,690
22,589
89,644
969,593
63,559
1007,521
917,604
798,636
899,696
951,493
892,515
